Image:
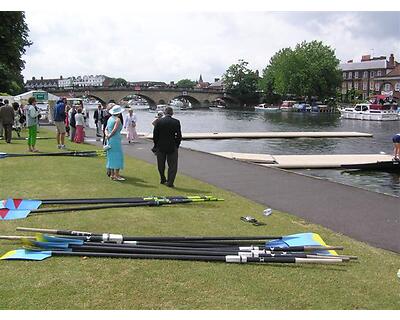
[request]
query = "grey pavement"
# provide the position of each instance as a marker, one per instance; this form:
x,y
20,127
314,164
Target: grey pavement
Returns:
x,y
363,215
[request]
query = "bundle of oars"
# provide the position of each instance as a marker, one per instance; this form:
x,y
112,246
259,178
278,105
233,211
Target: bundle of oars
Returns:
x,y
297,248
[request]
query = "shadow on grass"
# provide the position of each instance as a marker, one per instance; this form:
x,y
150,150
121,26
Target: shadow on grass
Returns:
x,y
189,190
137,182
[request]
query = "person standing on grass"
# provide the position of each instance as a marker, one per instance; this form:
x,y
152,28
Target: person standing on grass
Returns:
x,y
80,127
167,137
59,121
130,126
98,119
72,123
17,118
1,125
7,119
32,120
115,156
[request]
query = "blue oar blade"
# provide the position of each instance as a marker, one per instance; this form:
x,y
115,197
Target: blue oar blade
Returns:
x,y
24,254
7,214
47,238
22,204
301,239
48,245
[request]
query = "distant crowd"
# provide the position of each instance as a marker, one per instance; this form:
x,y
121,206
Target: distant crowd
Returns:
x,y
71,120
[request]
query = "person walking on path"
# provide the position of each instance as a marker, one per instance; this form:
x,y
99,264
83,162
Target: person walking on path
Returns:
x,y
59,121
115,156
98,119
396,146
7,119
80,127
167,137
32,120
130,126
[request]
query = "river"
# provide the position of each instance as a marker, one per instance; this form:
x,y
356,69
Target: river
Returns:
x,y
224,120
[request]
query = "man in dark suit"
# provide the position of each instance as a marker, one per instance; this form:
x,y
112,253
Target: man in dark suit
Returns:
x,y
7,120
167,137
98,119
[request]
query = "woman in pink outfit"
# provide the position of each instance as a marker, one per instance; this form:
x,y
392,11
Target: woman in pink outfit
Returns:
x,y
130,126
80,125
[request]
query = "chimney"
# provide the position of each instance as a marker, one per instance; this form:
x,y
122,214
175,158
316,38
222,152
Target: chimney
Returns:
x,y
33,78
350,61
60,77
41,78
366,58
216,79
391,63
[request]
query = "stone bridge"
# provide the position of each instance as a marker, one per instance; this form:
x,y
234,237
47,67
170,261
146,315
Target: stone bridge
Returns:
x,y
154,96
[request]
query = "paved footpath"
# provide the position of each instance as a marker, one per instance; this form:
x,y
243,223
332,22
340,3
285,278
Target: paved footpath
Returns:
x,y
363,215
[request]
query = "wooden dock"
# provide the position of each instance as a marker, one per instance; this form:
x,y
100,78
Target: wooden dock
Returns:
x,y
305,161
266,135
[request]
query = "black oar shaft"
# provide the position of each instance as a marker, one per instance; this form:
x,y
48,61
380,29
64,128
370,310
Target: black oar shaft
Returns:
x,y
228,258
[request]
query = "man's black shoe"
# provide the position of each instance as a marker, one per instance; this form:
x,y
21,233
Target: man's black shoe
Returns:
x,y
170,185
163,182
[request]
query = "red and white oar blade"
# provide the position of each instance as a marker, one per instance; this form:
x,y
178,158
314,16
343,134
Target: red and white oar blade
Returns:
x,y
7,214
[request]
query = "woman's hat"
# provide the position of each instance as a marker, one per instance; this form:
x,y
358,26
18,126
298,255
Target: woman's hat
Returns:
x,y
159,114
116,110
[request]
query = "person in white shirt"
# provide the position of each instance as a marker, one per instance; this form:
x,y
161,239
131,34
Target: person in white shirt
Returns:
x,y
80,125
130,126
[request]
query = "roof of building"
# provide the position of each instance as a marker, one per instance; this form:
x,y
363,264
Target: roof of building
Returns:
x,y
365,65
218,83
395,73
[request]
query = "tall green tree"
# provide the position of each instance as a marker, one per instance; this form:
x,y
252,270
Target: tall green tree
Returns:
x,y
310,69
119,82
13,40
185,83
241,82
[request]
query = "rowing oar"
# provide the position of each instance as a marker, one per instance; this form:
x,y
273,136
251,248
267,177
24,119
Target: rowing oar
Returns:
x,y
303,242
119,238
31,204
69,153
51,242
38,255
12,214
81,246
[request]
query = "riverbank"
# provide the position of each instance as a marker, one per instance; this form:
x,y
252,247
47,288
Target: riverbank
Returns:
x,y
78,283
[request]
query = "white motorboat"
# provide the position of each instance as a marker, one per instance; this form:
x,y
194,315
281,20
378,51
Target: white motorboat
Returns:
x,y
287,105
267,108
371,111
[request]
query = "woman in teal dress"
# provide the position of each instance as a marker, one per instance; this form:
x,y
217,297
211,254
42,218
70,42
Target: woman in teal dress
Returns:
x,y
115,156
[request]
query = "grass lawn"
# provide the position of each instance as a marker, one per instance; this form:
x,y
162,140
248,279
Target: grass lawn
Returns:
x,y
98,283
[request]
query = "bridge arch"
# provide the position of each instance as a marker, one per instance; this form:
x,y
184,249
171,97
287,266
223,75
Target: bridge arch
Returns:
x,y
193,101
149,100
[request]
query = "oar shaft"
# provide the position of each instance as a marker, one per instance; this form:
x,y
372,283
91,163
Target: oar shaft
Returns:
x,y
227,258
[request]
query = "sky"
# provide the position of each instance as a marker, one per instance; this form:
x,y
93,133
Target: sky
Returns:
x,y
162,42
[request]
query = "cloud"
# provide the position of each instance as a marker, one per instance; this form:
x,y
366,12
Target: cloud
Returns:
x,y
169,46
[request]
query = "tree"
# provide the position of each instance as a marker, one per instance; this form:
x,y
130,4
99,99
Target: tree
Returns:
x,y
242,83
185,83
13,39
119,82
310,70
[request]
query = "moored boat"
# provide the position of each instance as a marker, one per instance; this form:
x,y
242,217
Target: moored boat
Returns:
x,y
371,111
388,166
267,108
287,105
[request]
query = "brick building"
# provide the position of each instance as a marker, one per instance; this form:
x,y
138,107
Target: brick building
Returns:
x,y
371,76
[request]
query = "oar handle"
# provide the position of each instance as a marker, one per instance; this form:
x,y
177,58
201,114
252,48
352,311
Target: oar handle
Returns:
x,y
16,237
